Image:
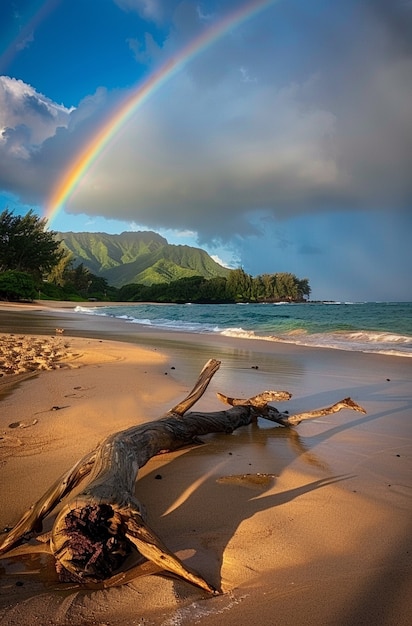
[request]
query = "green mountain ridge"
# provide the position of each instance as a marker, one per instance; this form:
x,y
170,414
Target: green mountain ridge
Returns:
x,y
138,257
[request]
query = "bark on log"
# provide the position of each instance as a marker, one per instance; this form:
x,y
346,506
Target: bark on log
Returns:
x,y
95,531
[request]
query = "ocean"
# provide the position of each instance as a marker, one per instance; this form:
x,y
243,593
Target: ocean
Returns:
x,y
377,327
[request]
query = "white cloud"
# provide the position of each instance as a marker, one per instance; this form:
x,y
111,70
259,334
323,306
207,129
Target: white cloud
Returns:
x,y
152,10
22,106
217,258
39,137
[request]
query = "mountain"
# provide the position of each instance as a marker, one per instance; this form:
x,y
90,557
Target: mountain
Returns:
x,y
138,257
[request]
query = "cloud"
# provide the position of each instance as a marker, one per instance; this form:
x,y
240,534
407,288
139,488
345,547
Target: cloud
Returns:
x,y
217,258
301,110
38,137
25,42
152,10
263,152
334,134
21,105
145,51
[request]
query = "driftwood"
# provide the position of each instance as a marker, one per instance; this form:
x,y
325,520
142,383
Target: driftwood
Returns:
x,y
95,532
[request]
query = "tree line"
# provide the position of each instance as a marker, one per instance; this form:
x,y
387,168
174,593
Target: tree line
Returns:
x,y
238,287
34,264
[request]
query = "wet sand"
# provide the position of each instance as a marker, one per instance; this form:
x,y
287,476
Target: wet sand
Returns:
x,y
324,538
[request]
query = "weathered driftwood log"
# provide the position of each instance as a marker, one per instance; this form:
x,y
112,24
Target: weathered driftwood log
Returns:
x,y
94,533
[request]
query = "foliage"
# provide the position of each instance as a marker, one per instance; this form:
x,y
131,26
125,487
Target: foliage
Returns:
x,y
69,282
25,245
16,285
238,287
279,287
58,273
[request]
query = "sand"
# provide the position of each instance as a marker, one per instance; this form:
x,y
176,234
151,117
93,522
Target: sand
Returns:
x,y
311,526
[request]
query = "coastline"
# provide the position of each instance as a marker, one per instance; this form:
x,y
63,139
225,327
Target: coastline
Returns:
x,y
372,328
328,542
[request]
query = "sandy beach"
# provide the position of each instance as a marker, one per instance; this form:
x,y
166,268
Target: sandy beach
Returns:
x,y
326,541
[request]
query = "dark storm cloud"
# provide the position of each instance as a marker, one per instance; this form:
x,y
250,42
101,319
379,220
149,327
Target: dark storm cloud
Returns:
x,y
303,109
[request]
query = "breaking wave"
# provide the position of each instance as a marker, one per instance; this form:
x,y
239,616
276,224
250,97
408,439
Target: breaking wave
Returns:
x,y
382,328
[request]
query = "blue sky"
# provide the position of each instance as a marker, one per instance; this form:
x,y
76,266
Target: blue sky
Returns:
x,y
286,145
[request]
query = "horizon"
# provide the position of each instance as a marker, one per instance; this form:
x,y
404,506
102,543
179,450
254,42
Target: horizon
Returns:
x,y
281,140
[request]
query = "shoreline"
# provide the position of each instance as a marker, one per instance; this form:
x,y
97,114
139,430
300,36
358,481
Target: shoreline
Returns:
x,y
121,326
327,543
284,365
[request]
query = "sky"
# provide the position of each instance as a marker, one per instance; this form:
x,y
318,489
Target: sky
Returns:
x,y
276,135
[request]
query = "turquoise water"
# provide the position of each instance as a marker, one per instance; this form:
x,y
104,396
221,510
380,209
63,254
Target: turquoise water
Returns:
x,y
382,327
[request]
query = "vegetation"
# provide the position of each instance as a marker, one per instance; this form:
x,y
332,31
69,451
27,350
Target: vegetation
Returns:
x,y
36,262
27,252
139,257
76,283
238,287
25,245
17,286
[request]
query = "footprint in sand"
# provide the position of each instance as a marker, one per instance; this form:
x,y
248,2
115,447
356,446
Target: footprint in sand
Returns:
x,y
77,395
23,424
53,408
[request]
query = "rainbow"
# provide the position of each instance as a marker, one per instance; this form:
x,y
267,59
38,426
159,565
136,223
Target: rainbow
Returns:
x,y
40,11
67,184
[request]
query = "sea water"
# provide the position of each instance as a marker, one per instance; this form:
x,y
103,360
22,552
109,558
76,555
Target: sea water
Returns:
x,y
380,327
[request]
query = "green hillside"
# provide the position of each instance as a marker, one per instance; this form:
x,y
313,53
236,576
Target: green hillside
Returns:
x,y
138,257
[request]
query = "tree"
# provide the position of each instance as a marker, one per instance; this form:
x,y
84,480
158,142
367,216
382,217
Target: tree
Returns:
x,y
58,274
239,285
304,288
133,292
79,279
17,286
100,288
286,286
26,245
214,290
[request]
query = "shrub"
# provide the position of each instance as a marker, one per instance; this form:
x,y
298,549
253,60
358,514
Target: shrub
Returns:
x,y
17,286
